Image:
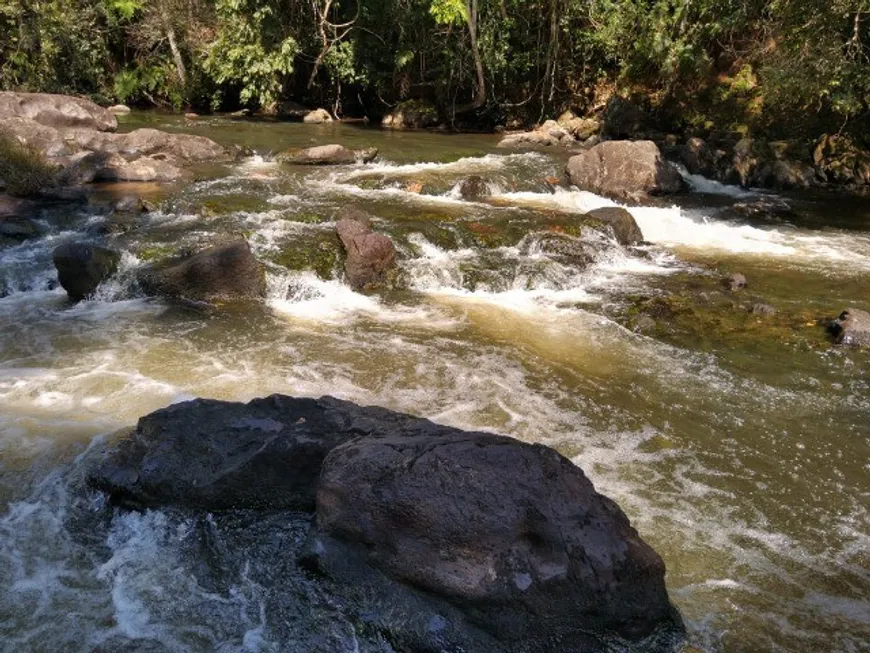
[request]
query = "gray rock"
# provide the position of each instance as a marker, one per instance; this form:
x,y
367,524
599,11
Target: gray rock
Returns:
x,y
224,272
624,170
18,228
852,328
131,204
119,109
535,557
81,268
623,224
57,111
216,455
370,256
327,155
547,135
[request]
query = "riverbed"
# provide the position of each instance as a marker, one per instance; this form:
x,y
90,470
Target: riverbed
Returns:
x,y
738,444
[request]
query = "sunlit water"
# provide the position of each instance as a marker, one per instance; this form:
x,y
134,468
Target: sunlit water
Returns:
x,y
743,459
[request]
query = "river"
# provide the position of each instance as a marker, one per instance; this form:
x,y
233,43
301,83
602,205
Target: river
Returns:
x,y
738,445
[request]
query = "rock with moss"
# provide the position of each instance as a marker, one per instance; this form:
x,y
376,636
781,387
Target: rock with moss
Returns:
x,y
228,271
411,114
82,267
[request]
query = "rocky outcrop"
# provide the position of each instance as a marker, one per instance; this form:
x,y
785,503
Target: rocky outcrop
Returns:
x,y
412,114
57,111
224,272
217,455
82,267
370,256
624,170
326,155
852,328
838,160
580,128
439,539
317,117
622,223
550,134
533,557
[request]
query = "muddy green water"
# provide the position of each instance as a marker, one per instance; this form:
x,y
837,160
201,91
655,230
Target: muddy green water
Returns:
x,y
739,445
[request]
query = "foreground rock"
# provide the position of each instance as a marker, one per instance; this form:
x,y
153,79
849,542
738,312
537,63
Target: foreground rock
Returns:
x,y
82,267
852,328
57,111
217,455
370,256
224,272
624,170
436,538
325,155
623,224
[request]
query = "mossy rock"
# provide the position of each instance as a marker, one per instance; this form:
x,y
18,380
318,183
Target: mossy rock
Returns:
x,y
319,252
235,203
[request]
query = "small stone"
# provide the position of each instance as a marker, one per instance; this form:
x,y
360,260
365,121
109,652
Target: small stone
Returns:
x,y
762,309
735,282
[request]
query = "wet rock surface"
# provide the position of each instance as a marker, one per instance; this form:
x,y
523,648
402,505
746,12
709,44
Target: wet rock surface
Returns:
x,y
436,538
370,256
227,271
623,224
624,170
58,111
852,328
82,267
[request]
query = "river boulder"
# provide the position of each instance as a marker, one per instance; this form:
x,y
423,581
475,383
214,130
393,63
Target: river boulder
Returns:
x,y
624,170
549,134
512,534
224,272
370,256
217,455
81,267
317,117
621,221
474,187
325,155
852,328
58,111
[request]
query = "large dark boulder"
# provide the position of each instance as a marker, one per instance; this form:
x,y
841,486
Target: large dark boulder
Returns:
x,y
223,272
623,118
624,170
473,188
512,534
370,256
217,455
852,328
323,155
81,267
622,223
58,111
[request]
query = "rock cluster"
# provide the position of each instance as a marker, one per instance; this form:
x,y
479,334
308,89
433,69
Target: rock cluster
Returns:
x,y
444,539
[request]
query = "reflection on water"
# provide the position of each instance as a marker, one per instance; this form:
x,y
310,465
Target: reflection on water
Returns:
x,y
743,461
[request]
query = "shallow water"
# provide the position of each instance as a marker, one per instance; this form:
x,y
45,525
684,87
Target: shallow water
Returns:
x,y
739,449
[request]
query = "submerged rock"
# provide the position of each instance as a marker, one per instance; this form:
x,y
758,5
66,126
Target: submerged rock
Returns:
x,y
438,539
131,204
370,256
624,169
622,223
474,188
852,328
58,111
223,272
512,534
81,268
324,155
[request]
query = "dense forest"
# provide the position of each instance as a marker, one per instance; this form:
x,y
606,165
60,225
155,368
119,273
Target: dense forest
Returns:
x,y
778,67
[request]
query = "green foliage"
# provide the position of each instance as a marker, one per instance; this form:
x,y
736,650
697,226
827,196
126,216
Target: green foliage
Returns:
x,y
251,50
23,168
449,12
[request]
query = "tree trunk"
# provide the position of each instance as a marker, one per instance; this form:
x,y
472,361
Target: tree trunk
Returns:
x,y
176,53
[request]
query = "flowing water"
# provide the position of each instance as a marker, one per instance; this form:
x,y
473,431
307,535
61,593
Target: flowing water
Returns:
x,y
738,445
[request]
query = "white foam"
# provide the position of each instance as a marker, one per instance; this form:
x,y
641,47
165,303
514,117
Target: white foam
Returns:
x,y
466,165
701,184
